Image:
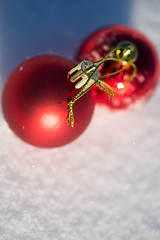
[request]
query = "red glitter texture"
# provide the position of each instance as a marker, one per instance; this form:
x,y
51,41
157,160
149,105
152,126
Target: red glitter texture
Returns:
x,y
142,87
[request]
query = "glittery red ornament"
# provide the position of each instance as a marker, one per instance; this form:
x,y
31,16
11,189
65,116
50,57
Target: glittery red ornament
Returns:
x,y
35,106
142,87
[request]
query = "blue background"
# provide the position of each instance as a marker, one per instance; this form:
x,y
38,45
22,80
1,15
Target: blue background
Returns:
x,y
30,28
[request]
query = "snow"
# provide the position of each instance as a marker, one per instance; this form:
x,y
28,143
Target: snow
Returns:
x,y
105,184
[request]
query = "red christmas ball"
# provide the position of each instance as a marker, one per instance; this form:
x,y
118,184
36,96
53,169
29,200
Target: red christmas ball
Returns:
x,y
142,87
34,102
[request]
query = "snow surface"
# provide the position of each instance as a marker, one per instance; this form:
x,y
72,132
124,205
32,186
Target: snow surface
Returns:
x,y
104,185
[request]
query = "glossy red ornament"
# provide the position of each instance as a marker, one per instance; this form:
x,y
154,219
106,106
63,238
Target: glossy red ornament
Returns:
x,y
35,106
142,87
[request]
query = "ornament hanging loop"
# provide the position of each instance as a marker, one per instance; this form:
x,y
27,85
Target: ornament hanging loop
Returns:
x,y
85,74
127,51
